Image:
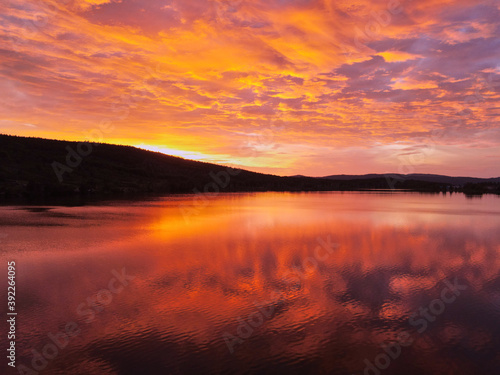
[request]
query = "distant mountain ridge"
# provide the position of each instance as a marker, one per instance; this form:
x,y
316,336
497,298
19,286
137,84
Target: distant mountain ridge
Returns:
x,y
442,179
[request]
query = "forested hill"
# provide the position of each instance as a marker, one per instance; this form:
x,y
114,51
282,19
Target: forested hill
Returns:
x,y
36,167
44,167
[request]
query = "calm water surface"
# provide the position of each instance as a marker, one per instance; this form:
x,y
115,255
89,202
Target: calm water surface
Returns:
x,y
266,283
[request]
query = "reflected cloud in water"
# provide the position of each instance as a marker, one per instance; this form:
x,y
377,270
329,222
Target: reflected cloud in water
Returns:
x,y
194,280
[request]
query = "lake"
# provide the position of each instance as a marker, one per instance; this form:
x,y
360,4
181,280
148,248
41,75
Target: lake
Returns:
x,y
257,283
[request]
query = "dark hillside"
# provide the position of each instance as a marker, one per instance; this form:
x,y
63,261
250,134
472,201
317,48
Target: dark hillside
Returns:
x,y
30,166
38,168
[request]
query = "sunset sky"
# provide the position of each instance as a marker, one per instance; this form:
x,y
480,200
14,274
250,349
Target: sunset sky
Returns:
x,y
313,87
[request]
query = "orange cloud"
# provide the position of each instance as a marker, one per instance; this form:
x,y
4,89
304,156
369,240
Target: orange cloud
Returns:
x,y
295,83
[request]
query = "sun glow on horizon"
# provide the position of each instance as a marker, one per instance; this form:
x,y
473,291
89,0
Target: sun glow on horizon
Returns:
x,y
173,152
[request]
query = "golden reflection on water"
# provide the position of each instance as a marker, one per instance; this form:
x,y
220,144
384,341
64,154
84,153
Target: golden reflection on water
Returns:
x,y
195,277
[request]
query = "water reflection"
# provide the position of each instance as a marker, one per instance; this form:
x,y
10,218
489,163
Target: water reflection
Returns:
x,y
325,309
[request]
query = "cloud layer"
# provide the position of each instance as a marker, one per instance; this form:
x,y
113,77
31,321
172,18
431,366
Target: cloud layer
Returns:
x,y
285,86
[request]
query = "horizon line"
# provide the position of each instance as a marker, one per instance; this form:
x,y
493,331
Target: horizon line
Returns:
x,y
246,168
